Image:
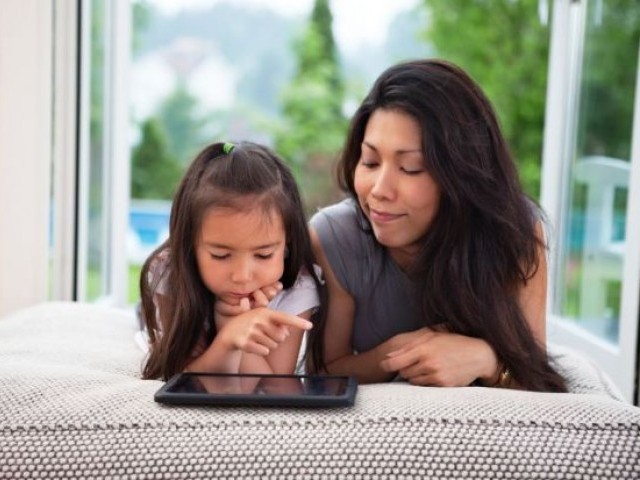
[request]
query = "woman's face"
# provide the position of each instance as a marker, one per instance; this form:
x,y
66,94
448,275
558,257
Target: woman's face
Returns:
x,y
397,194
239,252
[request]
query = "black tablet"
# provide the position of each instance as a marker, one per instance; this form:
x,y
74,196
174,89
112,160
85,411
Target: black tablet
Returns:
x,y
258,390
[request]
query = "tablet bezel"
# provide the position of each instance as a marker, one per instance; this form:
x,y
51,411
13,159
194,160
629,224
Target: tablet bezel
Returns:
x,y
347,399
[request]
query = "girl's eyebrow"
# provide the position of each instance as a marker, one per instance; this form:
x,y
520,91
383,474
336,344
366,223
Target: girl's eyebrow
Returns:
x,y
397,152
231,247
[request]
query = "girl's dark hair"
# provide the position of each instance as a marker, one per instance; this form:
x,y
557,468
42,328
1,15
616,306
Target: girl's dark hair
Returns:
x,y
482,246
250,176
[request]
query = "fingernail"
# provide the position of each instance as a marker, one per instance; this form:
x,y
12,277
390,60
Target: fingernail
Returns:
x,y
279,286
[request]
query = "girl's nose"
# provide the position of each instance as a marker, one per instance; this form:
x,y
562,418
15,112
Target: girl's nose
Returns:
x,y
241,271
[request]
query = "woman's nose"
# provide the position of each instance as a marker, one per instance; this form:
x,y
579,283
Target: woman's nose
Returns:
x,y
384,184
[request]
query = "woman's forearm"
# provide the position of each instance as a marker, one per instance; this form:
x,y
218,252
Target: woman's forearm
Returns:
x,y
365,366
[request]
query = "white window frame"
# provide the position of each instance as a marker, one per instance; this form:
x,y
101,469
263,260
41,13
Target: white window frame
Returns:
x,y
619,361
116,150
65,145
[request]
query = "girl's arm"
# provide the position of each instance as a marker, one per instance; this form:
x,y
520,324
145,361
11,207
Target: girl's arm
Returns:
x,y
259,331
282,360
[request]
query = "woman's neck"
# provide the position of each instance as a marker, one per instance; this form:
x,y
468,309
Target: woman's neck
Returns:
x,y
403,256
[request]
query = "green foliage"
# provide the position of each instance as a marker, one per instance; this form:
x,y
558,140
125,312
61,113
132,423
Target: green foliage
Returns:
x,y
142,13
154,171
314,125
183,123
609,80
503,46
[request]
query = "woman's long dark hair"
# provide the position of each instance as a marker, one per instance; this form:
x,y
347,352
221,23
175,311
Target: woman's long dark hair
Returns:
x,y
250,176
482,246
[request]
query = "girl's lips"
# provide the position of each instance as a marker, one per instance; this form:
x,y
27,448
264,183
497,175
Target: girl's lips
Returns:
x,y
237,295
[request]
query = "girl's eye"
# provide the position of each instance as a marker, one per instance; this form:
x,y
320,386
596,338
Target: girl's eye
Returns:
x,y
264,256
219,256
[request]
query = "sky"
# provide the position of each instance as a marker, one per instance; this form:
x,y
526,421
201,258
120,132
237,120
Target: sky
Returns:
x,y
355,22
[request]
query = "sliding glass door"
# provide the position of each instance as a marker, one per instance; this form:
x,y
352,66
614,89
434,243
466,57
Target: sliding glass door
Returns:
x,y
590,177
103,167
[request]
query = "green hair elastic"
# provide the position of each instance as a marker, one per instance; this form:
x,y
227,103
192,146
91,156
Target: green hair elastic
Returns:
x,y
227,148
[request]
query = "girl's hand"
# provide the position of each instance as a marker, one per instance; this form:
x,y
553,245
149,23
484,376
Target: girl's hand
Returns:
x,y
442,359
224,311
259,330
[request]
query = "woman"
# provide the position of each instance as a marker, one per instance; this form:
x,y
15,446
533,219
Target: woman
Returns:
x,y
435,264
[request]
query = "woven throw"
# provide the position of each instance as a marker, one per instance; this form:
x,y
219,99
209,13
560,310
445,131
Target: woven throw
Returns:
x,y
73,406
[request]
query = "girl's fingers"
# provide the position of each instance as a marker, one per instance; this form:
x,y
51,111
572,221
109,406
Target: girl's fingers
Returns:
x,y
278,333
266,341
227,309
256,349
288,320
260,299
245,305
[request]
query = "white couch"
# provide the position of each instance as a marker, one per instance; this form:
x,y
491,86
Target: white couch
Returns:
x,y
72,405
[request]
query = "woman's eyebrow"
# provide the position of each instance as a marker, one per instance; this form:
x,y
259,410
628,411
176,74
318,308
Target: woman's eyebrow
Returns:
x,y
397,152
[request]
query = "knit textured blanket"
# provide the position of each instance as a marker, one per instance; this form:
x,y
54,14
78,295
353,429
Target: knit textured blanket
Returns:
x,y
72,405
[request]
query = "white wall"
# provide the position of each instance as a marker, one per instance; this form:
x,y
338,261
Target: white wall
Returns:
x,y
25,150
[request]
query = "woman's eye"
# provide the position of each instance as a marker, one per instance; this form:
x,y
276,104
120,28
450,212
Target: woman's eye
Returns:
x,y
412,171
219,256
368,163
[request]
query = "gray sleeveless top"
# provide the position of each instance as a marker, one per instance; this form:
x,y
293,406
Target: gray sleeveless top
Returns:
x,y
386,302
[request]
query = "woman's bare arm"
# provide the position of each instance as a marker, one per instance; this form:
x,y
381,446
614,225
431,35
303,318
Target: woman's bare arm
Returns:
x,y
338,353
533,295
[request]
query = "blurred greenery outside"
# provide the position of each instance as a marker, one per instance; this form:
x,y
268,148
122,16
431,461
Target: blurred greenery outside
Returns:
x,y
296,88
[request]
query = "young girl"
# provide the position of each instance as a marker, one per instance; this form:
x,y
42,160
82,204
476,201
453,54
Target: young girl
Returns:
x,y
233,288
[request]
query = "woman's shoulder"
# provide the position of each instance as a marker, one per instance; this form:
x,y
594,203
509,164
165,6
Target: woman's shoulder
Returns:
x,y
339,220
345,210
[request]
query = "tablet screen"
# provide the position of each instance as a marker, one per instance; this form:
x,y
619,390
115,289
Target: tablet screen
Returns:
x,y
266,390
260,385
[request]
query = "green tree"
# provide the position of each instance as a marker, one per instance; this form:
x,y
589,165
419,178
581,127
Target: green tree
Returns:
x,y
609,80
185,124
504,47
154,171
314,124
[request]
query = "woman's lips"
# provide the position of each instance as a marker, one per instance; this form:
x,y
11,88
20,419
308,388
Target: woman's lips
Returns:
x,y
382,217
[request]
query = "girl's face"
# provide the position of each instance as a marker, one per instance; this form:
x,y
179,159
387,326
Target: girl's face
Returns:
x,y
240,252
397,194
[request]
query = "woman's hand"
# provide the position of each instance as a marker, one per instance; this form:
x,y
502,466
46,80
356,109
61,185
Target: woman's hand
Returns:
x,y
442,359
259,330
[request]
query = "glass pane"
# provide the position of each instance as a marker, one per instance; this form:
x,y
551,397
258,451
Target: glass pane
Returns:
x,y
589,286
97,254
